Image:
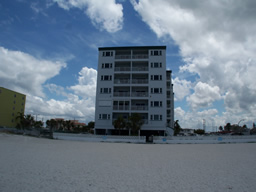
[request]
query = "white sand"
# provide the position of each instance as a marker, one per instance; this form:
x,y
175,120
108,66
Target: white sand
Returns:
x,y
34,164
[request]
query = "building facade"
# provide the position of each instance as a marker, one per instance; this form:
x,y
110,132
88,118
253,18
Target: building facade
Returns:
x,y
134,80
11,104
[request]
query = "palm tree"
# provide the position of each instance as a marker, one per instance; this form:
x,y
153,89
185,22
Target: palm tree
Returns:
x,y
119,123
177,127
30,121
51,124
20,120
135,122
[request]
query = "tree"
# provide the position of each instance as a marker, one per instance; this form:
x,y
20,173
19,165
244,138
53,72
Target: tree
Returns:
x,y
20,120
227,127
69,125
220,128
134,122
25,121
177,127
199,131
91,125
119,123
52,124
29,121
38,124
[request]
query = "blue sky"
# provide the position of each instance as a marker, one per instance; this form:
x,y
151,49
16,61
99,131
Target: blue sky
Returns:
x,y
49,51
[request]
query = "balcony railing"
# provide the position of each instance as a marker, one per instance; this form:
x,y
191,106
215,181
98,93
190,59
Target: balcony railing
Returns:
x,y
120,108
121,94
142,56
140,69
139,94
122,69
123,57
139,108
140,81
122,81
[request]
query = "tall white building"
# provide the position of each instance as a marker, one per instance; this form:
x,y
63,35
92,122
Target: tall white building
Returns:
x,y
134,80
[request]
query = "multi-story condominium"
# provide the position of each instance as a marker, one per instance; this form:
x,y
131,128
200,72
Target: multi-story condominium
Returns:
x,y
134,80
11,104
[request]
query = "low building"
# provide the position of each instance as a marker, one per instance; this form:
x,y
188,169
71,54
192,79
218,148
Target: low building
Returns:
x,y
12,104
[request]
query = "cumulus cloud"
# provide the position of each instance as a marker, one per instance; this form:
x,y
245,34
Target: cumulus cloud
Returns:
x,y
86,86
24,73
181,88
78,100
204,95
104,14
216,40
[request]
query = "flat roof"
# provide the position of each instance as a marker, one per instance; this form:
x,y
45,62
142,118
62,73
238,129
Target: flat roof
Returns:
x,y
131,47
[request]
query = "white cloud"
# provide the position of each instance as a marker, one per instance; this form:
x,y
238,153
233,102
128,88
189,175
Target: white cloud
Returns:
x,y
86,86
181,88
24,73
204,95
216,40
105,14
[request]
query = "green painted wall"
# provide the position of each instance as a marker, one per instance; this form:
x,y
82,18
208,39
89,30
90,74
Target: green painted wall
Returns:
x,y
11,103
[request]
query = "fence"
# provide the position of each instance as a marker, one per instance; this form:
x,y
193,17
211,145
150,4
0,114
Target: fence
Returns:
x,y
206,139
141,139
99,138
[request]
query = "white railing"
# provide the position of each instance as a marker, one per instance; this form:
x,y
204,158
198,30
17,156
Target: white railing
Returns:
x,y
121,108
140,81
140,69
99,138
156,139
142,56
122,69
123,57
140,108
122,81
138,94
121,94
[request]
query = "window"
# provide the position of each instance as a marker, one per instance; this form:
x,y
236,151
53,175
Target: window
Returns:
x,y
156,103
105,90
106,65
156,65
156,117
104,116
156,90
156,53
106,77
107,54
156,77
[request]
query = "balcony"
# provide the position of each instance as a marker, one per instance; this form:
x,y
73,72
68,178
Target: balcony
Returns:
x,y
121,107
140,56
140,69
122,69
139,94
121,94
123,57
140,81
122,81
139,108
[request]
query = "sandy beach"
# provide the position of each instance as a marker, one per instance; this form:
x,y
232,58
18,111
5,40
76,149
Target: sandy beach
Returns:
x,y
31,164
